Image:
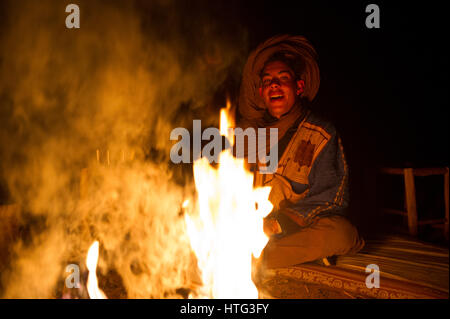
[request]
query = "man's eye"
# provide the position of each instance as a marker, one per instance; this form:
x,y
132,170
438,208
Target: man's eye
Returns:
x,y
284,78
266,81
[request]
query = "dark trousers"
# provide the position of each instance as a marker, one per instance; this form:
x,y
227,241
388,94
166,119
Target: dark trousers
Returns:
x,y
328,236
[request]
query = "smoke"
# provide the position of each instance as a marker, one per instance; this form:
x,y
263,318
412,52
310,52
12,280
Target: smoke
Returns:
x,y
119,84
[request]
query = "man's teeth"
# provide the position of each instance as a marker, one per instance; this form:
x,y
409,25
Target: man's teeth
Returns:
x,y
276,96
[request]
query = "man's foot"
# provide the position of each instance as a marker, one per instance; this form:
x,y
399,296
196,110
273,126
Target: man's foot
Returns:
x,y
327,261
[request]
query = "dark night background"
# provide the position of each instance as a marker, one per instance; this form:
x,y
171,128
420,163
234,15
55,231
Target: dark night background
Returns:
x,y
385,89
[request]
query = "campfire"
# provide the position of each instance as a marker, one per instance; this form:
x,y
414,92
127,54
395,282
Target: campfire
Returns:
x,y
228,229
223,225
86,147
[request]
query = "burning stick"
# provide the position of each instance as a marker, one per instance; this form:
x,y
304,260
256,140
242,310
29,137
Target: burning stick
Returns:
x,y
98,156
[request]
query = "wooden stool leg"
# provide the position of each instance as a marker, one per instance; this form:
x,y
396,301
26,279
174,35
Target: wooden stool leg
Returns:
x,y
411,201
446,190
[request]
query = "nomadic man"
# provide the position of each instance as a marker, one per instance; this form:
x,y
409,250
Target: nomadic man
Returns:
x,y
310,184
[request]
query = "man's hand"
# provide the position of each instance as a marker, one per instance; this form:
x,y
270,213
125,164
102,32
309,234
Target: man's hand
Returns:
x,y
271,227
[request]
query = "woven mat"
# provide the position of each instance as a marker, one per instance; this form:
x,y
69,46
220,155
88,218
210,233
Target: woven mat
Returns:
x,y
409,269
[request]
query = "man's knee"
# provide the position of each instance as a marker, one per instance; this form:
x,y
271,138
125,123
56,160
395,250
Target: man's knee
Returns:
x,y
327,237
342,236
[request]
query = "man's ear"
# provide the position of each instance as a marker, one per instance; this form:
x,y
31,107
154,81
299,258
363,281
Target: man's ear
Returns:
x,y
260,91
300,87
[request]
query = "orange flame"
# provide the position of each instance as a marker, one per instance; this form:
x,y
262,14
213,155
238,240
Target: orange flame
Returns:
x,y
229,226
92,284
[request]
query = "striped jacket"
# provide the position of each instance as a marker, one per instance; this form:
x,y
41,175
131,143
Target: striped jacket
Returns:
x,y
312,175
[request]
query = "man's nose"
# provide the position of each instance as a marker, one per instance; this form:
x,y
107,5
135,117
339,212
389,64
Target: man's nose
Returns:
x,y
275,82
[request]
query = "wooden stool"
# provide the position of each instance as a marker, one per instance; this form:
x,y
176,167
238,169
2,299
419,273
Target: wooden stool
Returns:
x,y
410,194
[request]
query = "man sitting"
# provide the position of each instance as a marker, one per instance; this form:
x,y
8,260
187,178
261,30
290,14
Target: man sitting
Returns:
x,y
310,185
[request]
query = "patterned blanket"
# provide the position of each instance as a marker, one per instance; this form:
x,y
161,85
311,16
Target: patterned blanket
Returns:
x,y
408,268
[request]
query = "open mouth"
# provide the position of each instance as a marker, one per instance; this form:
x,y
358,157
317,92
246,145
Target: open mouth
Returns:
x,y
276,97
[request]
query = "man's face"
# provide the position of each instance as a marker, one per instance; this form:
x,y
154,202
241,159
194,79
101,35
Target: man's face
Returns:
x,y
279,89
